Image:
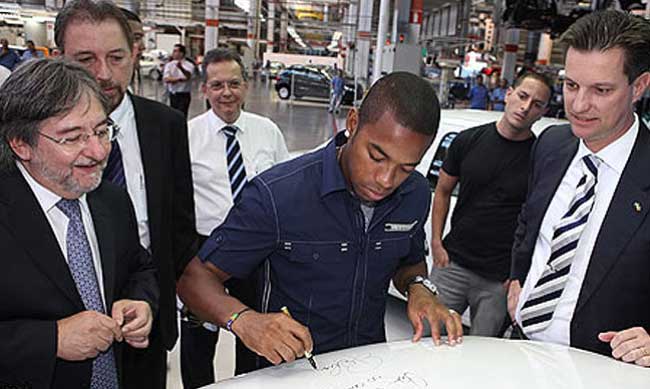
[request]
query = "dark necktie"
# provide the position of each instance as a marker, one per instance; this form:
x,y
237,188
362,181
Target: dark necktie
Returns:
x,y
80,262
236,169
538,310
114,171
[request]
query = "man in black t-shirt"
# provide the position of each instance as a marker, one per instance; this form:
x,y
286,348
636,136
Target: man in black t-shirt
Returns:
x,y
472,263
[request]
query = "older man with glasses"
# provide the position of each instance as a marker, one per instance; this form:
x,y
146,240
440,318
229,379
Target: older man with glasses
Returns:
x,y
76,284
228,146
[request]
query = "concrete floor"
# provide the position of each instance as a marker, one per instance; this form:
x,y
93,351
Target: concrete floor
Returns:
x,y
305,125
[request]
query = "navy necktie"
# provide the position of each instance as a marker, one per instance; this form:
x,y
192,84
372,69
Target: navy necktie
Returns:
x,y
236,168
80,262
114,171
538,310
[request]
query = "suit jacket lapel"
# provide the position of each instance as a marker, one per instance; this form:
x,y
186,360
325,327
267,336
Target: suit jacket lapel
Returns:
x,y
623,217
550,176
152,159
34,234
101,221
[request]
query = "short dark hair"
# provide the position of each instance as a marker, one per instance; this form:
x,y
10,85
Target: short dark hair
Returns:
x,y
89,11
30,42
544,79
39,90
181,48
409,98
221,55
604,30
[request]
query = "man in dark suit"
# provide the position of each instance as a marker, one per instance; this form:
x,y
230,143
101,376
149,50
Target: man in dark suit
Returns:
x,y
581,257
150,159
76,284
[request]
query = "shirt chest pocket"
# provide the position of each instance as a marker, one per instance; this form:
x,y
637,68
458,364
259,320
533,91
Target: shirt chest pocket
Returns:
x,y
318,253
385,255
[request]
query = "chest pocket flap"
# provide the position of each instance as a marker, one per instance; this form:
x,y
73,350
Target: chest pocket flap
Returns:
x,y
318,252
393,248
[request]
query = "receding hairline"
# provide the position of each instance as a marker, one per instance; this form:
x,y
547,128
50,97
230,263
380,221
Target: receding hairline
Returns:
x,y
85,18
226,61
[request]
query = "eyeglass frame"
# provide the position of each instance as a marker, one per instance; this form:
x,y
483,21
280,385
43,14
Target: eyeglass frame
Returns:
x,y
83,138
218,86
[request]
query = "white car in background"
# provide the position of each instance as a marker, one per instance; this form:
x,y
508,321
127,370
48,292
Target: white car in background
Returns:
x,y
152,65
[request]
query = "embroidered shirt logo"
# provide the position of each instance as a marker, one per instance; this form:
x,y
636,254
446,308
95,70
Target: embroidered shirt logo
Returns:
x,y
399,227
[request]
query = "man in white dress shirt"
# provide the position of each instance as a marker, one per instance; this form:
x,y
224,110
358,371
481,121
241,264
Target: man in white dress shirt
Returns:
x,y
261,145
177,76
581,258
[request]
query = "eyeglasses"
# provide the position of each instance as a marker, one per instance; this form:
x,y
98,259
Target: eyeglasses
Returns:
x,y
104,135
219,85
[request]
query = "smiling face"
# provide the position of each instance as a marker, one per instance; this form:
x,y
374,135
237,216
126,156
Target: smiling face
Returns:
x,y
69,171
226,89
598,98
380,156
103,49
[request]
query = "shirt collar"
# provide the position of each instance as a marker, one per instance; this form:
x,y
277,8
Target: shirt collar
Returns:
x,y
123,112
45,197
616,154
215,121
333,180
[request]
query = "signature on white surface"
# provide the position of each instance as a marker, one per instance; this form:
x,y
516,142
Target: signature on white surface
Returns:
x,y
403,380
359,364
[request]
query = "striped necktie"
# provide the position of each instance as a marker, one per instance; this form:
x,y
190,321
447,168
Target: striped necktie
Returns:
x,y
236,168
80,262
537,311
114,170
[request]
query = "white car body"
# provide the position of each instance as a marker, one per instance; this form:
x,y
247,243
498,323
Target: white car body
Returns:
x,y
151,66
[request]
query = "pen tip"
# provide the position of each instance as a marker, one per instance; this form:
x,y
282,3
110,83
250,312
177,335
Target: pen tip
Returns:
x,y
313,363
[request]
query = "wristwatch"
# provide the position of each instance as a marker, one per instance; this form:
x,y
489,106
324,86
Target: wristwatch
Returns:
x,y
424,282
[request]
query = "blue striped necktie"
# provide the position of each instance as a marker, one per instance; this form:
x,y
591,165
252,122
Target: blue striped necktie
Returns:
x,y
236,168
538,310
114,170
80,262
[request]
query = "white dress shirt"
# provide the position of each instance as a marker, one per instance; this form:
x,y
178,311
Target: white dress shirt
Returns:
x,y
59,223
124,117
614,158
172,70
262,146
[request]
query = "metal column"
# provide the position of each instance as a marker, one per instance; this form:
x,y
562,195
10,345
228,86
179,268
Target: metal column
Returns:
x,y
270,26
284,25
211,40
381,38
364,35
415,21
510,55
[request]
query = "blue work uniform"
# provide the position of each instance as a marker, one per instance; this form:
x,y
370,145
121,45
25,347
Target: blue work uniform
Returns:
x,y
300,221
498,97
478,97
9,59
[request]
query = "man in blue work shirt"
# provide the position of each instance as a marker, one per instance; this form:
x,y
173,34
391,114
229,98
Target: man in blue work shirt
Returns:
x,y
478,95
8,57
498,96
336,95
331,229
31,52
